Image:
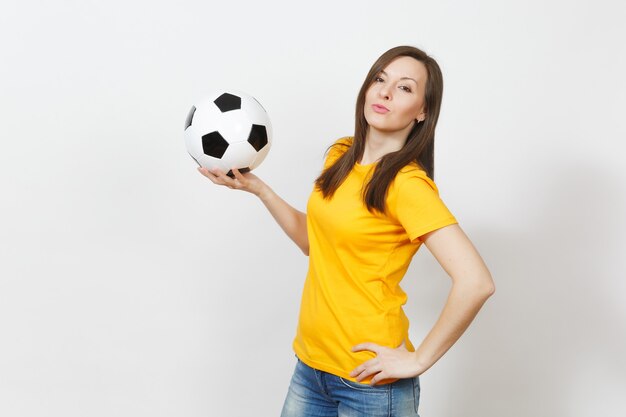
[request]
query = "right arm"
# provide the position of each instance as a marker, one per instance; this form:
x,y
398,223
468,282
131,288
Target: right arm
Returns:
x,y
292,221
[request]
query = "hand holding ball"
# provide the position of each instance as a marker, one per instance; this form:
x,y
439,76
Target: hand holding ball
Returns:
x,y
228,129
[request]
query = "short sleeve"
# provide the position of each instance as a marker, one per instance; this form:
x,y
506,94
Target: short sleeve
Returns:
x,y
336,150
418,207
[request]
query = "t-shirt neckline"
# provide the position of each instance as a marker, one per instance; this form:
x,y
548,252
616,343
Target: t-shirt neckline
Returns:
x,y
366,166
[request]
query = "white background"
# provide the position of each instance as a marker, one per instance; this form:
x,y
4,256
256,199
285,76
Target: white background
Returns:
x,y
130,285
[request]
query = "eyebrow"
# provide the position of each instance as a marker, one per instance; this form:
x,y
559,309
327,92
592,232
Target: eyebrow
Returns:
x,y
403,78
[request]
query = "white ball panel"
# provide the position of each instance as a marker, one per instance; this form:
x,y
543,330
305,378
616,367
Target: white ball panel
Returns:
x,y
260,156
239,155
193,144
234,126
206,115
255,111
270,131
209,162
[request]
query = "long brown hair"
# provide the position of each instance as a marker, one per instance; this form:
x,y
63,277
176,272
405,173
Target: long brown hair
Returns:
x,y
419,146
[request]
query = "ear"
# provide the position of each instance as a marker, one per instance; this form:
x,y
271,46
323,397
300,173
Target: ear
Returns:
x,y
421,117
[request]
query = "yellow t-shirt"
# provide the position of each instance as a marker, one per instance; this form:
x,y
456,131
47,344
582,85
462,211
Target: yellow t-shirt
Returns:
x,y
356,262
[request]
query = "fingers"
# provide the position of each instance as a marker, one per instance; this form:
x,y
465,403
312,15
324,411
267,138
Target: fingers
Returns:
x,y
368,369
372,347
374,367
379,377
220,178
365,369
388,363
238,175
239,181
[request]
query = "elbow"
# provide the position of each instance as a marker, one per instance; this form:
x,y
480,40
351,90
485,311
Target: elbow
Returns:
x,y
481,293
479,287
488,288
304,236
303,244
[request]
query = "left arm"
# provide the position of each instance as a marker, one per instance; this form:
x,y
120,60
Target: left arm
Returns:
x,y
471,286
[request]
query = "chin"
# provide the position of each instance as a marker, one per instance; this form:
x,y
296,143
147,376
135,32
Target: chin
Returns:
x,y
384,127
388,128
377,124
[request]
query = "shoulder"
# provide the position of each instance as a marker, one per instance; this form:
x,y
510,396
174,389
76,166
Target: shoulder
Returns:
x,y
415,202
341,145
338,148
412,178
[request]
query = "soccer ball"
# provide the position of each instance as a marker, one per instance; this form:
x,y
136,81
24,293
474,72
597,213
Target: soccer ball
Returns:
x,y
228,129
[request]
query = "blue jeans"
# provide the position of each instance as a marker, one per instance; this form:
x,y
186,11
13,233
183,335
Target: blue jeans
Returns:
x,y
314,393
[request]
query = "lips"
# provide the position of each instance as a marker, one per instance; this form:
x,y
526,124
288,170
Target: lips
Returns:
x,y
378,108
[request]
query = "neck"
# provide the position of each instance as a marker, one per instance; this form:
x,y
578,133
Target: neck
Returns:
x,y
379,144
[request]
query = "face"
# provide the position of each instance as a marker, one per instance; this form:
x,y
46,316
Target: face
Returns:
x,y
395,100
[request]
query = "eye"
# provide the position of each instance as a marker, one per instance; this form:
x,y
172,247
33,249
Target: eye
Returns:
x,y
405,88
378,80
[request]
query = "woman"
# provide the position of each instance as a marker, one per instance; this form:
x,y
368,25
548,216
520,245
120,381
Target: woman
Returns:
x,y
372,207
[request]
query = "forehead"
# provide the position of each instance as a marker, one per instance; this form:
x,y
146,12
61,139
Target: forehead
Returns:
x,y
406,66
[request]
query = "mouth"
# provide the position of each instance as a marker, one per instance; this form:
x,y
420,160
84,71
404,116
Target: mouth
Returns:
x,y
379,108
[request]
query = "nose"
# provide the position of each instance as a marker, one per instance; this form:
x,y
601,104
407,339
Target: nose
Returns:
x,y
384,92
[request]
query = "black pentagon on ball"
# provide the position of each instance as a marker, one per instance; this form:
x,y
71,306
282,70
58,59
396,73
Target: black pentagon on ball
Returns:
x,y
258,137
213,144
227,102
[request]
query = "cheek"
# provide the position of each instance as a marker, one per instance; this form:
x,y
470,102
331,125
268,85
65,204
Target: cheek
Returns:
x,y
370,98
411,108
